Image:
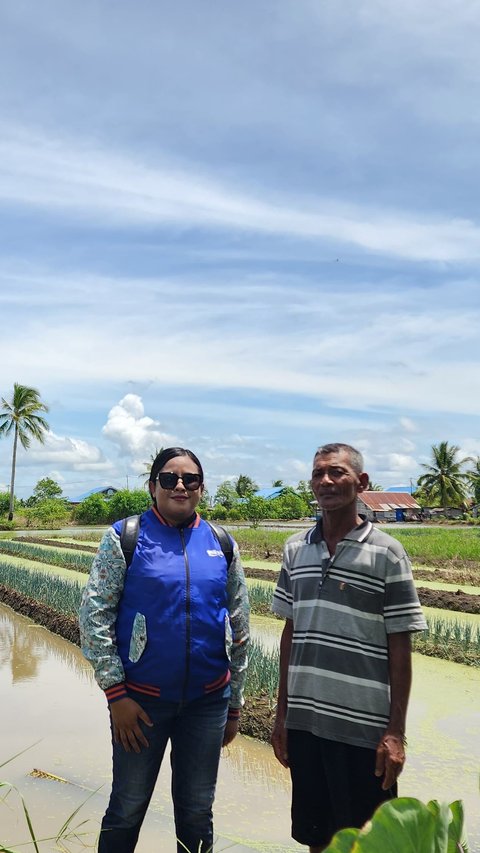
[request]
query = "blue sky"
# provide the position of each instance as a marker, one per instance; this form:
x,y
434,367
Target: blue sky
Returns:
x,y
245,228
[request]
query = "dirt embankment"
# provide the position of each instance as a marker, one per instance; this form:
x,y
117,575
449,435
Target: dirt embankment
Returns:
x,y
447,600
57,543
460,601
64,626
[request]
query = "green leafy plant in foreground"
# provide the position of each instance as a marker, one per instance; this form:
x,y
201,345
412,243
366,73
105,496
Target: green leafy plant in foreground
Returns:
x,y
406,825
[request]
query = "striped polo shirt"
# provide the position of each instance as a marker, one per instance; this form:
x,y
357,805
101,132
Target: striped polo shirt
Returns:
x,y
343,608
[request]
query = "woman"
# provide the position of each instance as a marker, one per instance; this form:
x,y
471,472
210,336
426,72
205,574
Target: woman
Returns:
x,y
159,636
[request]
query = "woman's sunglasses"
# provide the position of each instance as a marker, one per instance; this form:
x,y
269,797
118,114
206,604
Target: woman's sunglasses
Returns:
x,y
168,480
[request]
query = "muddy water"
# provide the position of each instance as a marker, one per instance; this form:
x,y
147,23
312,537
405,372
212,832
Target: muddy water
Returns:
x,y
50,701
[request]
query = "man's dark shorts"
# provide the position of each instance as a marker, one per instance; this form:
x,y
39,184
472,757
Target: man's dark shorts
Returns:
x,y
334,786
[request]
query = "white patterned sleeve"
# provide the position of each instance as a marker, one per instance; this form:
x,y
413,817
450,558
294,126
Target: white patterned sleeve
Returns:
x,y
98,611
239,610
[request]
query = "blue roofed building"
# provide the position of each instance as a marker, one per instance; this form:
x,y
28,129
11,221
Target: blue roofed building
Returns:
x,y
270,494
105,491
409,490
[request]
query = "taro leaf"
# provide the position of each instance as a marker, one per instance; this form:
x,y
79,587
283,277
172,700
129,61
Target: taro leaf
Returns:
x,y
406,825
344,841
457,842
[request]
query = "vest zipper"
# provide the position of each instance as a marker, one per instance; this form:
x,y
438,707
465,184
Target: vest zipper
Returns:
x,y
188,626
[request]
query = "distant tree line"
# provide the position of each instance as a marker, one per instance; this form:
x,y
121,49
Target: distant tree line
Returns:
x,y
447,481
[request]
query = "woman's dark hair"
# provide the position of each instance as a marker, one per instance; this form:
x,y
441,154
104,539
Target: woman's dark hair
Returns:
x,y
170,453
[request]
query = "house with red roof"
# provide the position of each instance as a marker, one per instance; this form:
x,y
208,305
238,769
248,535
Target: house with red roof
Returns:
x,y
388,506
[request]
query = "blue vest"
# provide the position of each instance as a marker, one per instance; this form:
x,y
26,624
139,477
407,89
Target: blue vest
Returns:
x,y
173,629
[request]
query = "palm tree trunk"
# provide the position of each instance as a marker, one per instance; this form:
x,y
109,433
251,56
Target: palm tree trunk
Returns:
x,y
12,479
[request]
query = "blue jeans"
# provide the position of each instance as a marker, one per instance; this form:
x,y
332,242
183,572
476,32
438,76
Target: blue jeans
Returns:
x,y
195,730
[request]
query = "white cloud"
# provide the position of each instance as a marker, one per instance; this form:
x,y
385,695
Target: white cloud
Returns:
x,y
107,188
408,425
469,447
71,454
133,433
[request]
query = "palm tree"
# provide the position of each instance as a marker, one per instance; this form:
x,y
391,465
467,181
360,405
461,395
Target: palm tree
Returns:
x,y
21,417
245,486
148,466
374,487
474,479
444,480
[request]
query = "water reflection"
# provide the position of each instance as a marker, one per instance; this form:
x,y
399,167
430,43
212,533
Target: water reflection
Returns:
x,y
252,759
24,645
49,695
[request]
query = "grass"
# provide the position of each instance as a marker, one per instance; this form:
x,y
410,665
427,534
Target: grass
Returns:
x,y
261,541
440,544
424,545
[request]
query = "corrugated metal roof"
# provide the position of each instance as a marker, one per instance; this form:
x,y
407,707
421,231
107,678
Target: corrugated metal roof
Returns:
x,y
96,491
269,494
387,501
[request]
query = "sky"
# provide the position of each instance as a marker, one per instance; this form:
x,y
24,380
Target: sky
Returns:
x,y
247,229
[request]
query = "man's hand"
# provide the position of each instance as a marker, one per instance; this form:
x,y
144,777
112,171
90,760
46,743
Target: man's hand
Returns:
x,y
390,759
279,741
125,716
231,730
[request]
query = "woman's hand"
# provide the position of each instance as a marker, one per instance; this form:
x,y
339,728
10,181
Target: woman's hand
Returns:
x,y
231,729
125,715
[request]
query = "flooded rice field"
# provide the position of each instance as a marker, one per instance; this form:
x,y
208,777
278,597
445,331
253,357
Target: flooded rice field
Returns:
x,y
51,704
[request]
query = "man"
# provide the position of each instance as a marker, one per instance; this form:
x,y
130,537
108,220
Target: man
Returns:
x,y
347,594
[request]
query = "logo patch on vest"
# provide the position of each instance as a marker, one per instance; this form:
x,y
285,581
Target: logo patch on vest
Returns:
x,y
212,552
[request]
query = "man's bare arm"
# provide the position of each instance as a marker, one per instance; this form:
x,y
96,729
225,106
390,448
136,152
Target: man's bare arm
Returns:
x,y
279,734
391,749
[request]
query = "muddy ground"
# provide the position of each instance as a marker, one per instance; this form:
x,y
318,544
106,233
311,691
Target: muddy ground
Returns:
x,y
455,600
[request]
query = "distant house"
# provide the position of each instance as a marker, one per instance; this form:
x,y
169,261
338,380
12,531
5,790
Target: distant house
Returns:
x,y
105,491
270,494
387,506
408,489
451,512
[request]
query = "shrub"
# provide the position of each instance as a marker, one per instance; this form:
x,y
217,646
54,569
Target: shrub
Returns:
x,y
234,514
125,503
4,503
290,506
219,513
255,509
51,512
93,510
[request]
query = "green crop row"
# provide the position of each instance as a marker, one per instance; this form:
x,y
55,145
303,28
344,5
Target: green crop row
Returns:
x,y
61,595
66,559
451,639
262,673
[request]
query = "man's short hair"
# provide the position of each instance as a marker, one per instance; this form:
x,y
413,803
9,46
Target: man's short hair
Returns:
x,y
356,458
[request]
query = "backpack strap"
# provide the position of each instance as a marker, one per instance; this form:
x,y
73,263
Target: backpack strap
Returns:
x,y
131,529
129,537
225,541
